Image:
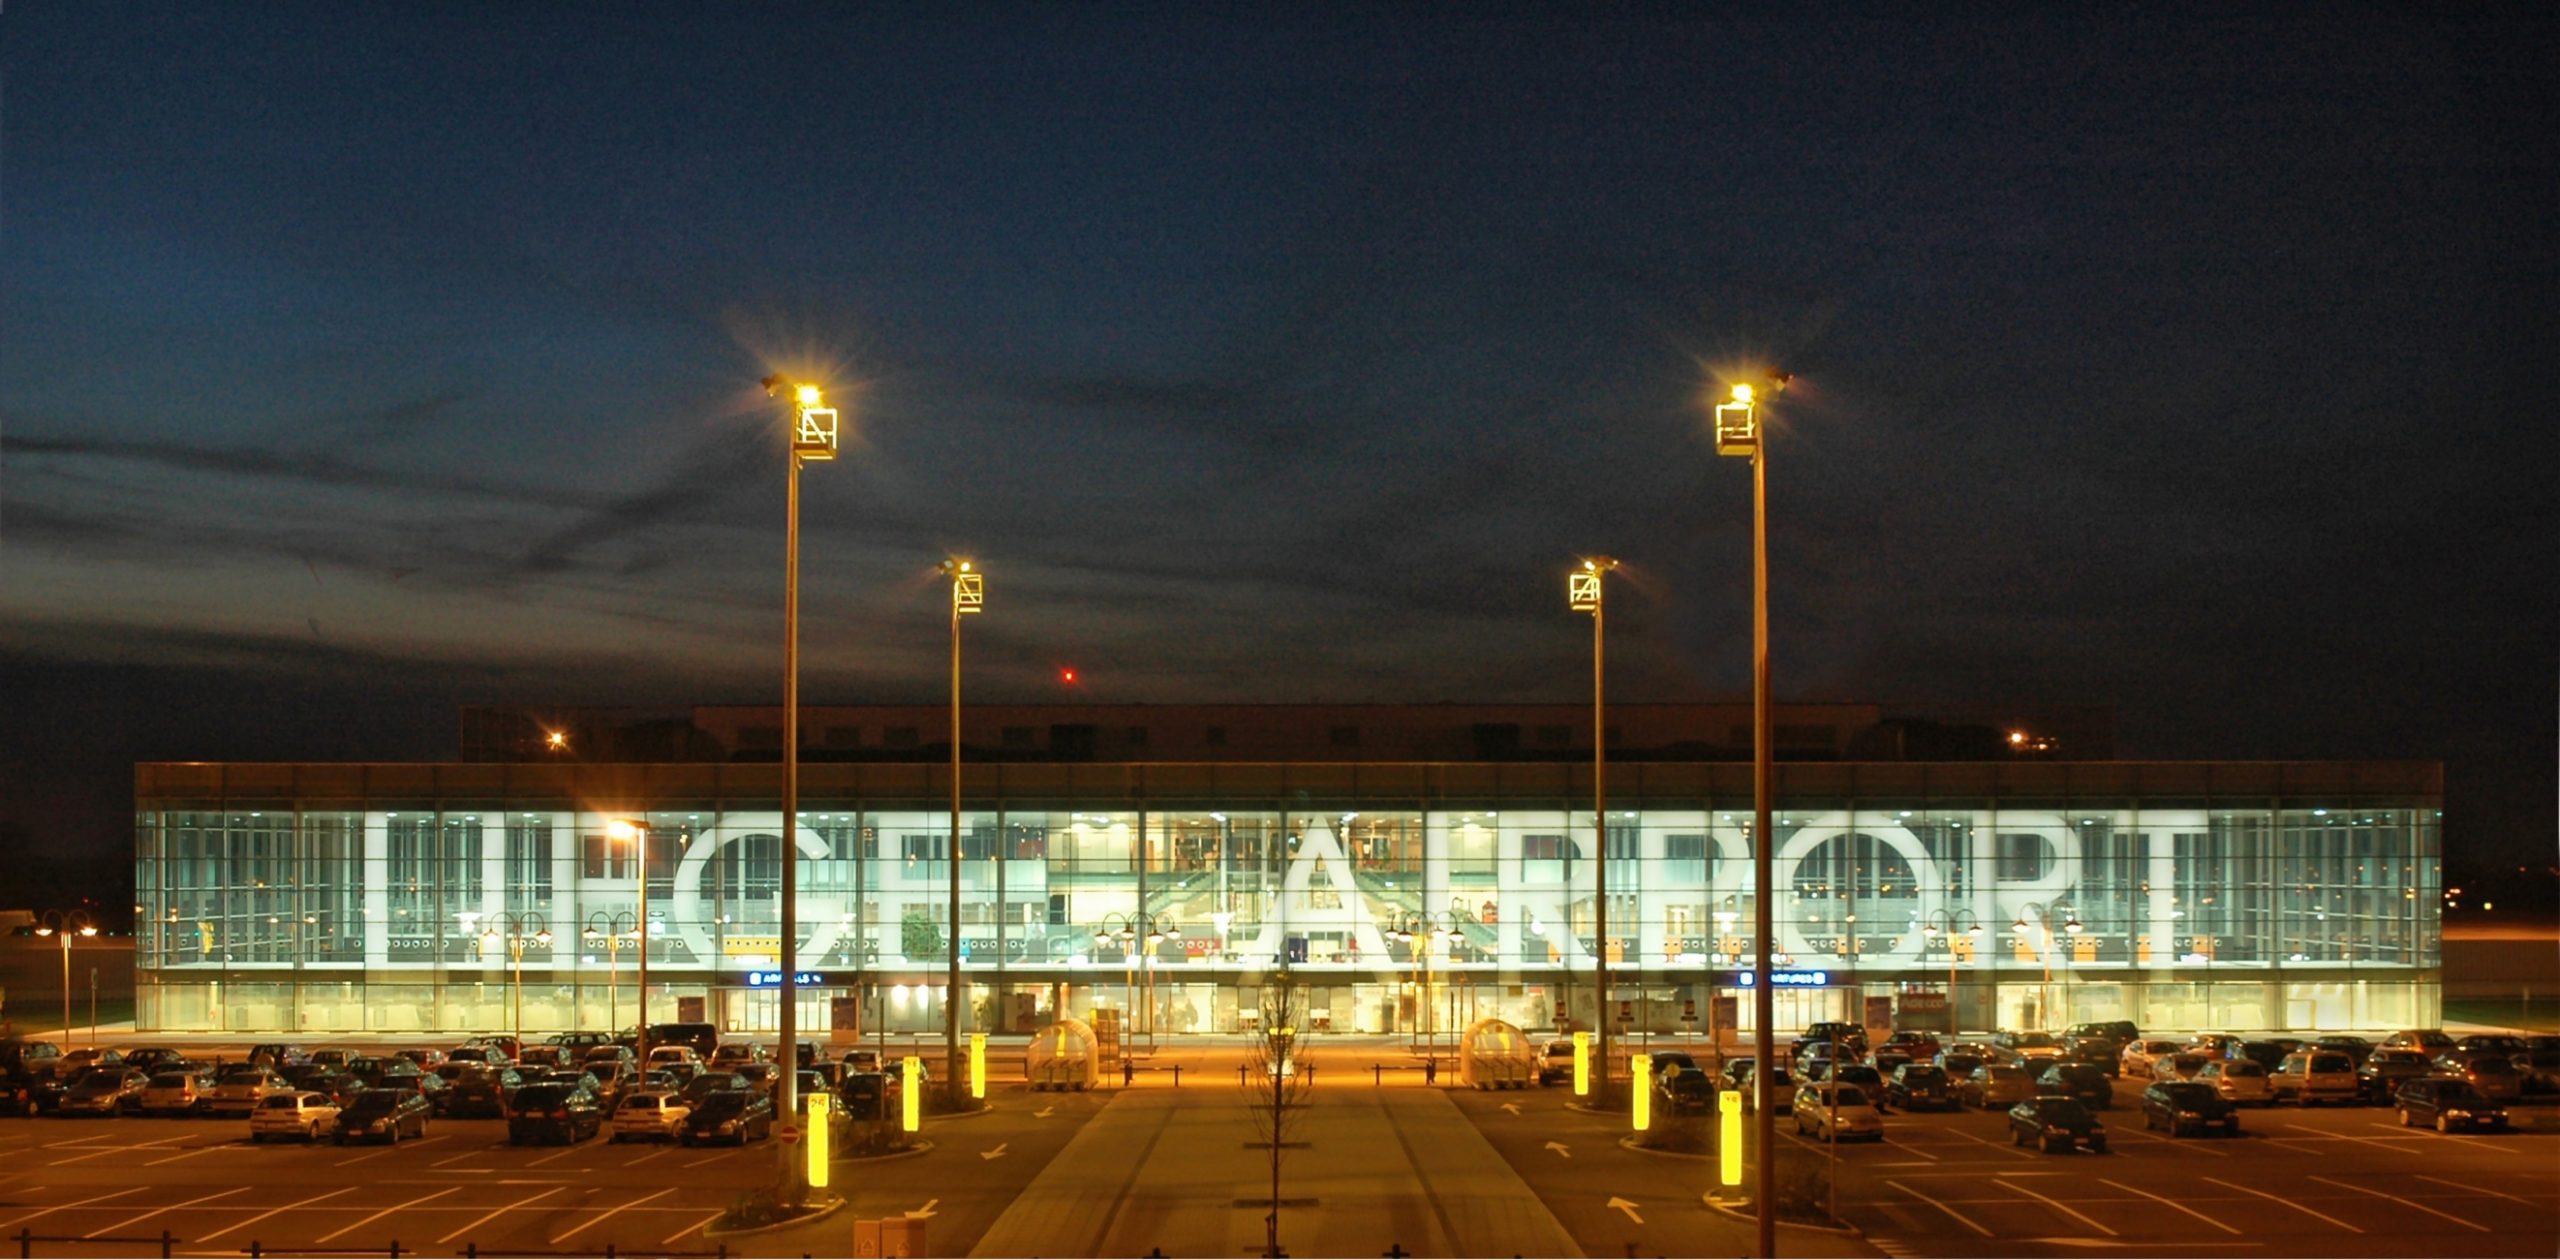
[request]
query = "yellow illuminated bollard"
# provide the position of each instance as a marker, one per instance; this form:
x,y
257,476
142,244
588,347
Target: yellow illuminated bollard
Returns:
x,y
914,1092
1642,1104
977,1065
1581,1064
817,1139
1729,1142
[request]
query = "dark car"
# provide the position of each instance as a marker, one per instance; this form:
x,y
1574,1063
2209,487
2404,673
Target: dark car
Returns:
x,y
1958,1064
435,1089
1860,1075
704,1038
1920,1087
2491,1043
2447,1104
730,1115
384,1115
1850,1040
2056,1124
1884,1061
579,1043
705,1084
2349,1044
427,1058
278,1055
2103,1053
2184,1106
2085,1082
868,1095
1682,1084
2267,1054
478,1091
553,1113
2120,1031
153,1058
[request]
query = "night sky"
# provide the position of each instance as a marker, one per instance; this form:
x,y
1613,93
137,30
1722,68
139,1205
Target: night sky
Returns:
x,y
362,360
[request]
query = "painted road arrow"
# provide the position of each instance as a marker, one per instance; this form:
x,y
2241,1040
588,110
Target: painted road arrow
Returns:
x,y
1045,1112
1626,1207
997,1153
917,1214
1513,1108
1558,1148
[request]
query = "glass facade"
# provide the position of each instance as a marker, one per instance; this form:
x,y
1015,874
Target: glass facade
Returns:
x,y
1410,897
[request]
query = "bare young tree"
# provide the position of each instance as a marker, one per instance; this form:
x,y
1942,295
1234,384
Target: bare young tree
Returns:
x,y
1278,1075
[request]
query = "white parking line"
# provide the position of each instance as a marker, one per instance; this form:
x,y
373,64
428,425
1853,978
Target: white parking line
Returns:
x,y
386,1149
712,1159
328,1194
2400,1149
2495,1194
109,1229
118,1150
1966,1220
2410,1202
324,1238
688,1229
73,1204
2274,1198
650,1156
190,1154
1911,1150
2004,1182
604,1215
2005,1150
2175,1204
496,1214
2425,1134
563,1153
466,1155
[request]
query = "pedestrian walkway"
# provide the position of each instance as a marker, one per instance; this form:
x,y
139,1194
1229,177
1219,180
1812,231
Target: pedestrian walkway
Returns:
x,y
1188,1174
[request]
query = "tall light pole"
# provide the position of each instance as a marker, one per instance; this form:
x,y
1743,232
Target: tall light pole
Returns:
x,y
611,934
1953,921
1582,591
65,924
968,595
2044,951
519,927
1738,434
636,830
813,437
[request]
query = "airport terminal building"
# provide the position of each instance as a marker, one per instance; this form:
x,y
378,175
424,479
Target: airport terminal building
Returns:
x,y
1411,868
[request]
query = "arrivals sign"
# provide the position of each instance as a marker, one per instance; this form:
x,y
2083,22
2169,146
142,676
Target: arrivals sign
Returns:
x,y
768,979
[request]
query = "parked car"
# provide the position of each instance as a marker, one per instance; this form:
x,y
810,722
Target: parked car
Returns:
x,y
652,1114
1922,1047
1555,1063
337,1057
2102,1053
301,1114
868,1095
1857,1074
427,1058
553,1113
2183,1106
2541,1069
730,1115
578,1044
239,1090
2143,1057
1681,1085
2448,1104
2082,1081
1957,1064
70,1066
704,1038
177,1093
1920,1087
706,1084
1848,1040
1834,1111
1782,1083
680,1060
2267,1054
2314,1076
2242,1081
478,1056
2427,1041
2215,1045
732,1055
2507,1044
386,1115
2119,1031
103,1091
152,1058
2056,1124
478,1091
2494,1075
2385,1071
506,1044
278,1054
1996,1085
543,1057
2349,1044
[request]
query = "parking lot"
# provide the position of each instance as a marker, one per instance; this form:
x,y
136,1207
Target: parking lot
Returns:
x,y
2336,1180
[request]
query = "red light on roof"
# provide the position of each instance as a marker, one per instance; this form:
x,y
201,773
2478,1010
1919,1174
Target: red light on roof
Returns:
x,y
1067,676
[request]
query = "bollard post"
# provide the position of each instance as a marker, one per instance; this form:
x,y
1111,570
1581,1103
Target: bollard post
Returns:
x,y
26,1243
1377,1074
394,1249
166,1242
1177,1076
471,1250
254,1249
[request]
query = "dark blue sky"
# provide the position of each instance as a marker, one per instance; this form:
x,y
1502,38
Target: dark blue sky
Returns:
x,y
360,360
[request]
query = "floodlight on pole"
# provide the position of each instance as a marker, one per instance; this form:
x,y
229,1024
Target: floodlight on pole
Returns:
x,y
1583,592
968,597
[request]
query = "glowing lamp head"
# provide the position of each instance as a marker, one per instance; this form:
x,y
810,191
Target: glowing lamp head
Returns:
x,y
808,395
1742,393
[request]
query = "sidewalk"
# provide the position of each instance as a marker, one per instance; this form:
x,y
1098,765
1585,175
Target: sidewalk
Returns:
x,y
1161,1171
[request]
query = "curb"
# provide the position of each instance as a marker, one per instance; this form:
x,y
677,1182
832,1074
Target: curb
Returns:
x,y
922,1146
823,1212
1730,1211
1631,1144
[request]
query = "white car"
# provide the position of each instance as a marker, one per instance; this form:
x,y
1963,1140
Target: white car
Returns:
x,y
301,1115
652,1114
680,1059
240,1090
1827,1109
2239,1081
2310,1076
2145,1057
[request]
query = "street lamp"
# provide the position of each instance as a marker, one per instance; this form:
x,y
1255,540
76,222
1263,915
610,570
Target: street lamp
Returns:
x,y
2044,953
609,929
519,927
1129,929
813,437
1951,922
66,924
1738,434
636,830
968,596
1583,593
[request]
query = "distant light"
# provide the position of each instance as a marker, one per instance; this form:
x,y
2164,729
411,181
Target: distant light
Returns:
x,y
556,740
1067,676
